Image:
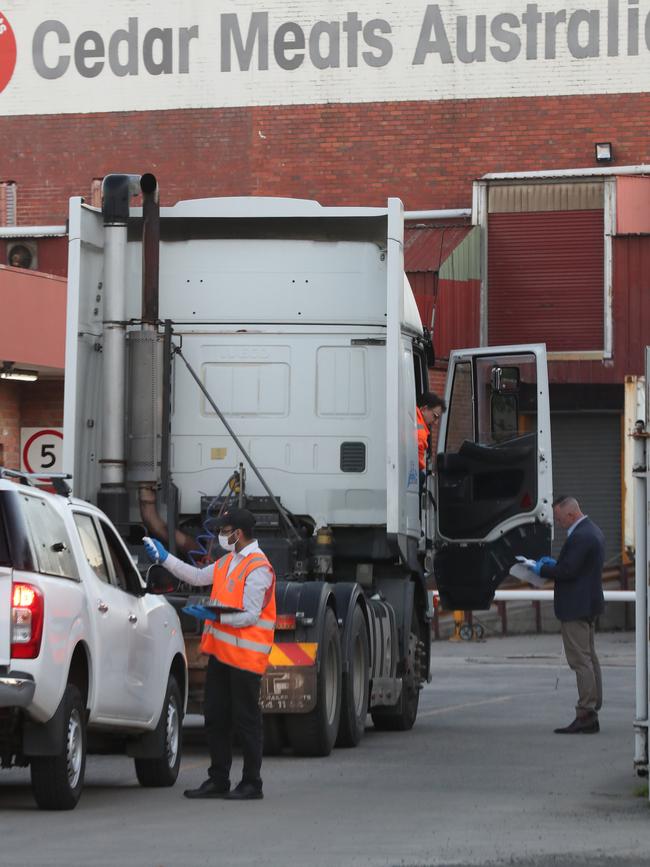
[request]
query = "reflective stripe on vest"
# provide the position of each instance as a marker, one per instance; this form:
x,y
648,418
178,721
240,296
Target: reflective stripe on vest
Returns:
x,y
245,647
423,439
237,641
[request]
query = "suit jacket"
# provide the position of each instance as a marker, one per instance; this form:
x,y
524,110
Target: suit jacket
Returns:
x,y
578,574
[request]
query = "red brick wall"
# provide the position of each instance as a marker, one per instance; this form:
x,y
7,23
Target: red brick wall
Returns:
x,y
10,423
27,404
427,153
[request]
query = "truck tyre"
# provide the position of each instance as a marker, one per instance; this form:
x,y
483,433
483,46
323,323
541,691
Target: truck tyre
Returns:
x,y
57,781
162,771
314,733
355,684
401,717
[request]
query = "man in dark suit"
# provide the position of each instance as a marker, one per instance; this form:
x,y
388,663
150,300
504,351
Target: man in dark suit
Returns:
x,y
578,601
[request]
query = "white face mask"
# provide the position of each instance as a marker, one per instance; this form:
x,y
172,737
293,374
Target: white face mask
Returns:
x,y
225,544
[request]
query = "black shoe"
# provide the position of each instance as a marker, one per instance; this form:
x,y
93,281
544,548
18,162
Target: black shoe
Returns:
x,y
588,725
208,789
245,792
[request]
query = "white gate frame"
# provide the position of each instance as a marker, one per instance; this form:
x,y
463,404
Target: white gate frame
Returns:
x,y
641,514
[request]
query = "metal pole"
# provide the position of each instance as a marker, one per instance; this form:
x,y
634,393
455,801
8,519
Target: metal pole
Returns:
x,y
640,474
240,446
547,595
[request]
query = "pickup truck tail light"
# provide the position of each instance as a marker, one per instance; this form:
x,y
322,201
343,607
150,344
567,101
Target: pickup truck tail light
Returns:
x,y
26,621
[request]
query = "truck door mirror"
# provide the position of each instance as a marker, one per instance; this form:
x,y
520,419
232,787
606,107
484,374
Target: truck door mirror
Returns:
x,y
505,380
159,581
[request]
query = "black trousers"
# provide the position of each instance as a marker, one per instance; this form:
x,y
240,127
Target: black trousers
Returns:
x,y
232,706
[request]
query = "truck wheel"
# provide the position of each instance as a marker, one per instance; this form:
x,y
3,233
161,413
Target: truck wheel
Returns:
x,y
401,717
57,781
314,733
355,685
162,771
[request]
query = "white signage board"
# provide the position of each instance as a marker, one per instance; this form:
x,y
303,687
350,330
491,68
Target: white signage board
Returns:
x,y
80,57
41,449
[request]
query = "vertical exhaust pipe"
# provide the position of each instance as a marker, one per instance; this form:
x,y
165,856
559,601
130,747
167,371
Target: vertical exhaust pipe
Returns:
x,y
150,250
116,197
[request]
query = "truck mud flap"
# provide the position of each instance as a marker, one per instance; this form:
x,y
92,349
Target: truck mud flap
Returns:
x,y
289,685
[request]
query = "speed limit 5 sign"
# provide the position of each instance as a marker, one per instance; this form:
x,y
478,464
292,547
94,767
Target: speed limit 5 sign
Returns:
x,y
41,449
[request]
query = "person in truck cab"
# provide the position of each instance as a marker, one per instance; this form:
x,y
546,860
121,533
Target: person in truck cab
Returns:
x,y
428,411
238,641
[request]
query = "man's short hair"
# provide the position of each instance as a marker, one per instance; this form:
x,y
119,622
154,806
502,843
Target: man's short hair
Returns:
x,y
565,500
238,519
431,400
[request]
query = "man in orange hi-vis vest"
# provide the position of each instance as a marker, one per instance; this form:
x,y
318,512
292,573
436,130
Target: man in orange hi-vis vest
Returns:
x,y
428,411
238,642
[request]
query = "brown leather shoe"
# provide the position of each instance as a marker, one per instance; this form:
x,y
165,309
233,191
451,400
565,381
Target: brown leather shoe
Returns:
x,y
585,725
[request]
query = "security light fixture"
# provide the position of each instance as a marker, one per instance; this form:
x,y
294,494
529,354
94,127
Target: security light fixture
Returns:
x,y
603,152
8,371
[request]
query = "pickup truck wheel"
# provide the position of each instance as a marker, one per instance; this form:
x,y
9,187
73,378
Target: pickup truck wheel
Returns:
x,y
314,733
57,781
354,705
162,771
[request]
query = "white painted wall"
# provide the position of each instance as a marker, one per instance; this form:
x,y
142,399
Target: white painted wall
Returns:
x,y
165,55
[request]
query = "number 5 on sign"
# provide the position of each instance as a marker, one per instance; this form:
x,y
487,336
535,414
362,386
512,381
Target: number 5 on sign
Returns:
x,y
41,449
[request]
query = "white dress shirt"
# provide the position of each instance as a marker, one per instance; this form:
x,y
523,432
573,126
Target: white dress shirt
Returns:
x,y
257,583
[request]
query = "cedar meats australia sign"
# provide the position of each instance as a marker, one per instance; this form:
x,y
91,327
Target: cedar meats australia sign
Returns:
x,y
74,56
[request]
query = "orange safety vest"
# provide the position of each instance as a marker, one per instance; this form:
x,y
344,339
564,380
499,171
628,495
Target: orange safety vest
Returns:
x,y
246,647
423,439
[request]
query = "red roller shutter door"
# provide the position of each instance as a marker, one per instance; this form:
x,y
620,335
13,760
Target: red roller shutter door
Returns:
x,y
546,279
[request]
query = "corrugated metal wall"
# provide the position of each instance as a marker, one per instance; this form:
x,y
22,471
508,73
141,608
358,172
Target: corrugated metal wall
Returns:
x,y
457,319
587,465
546,279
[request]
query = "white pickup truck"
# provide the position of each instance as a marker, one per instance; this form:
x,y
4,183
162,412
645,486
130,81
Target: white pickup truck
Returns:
x,y
90,659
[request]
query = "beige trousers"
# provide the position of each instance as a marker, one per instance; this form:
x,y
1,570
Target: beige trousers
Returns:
x,y
578,639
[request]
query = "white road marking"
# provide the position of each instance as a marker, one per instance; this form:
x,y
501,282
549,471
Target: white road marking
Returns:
x,y
498,700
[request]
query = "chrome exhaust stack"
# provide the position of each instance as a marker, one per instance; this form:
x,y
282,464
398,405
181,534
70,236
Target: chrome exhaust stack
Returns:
x,y
117,191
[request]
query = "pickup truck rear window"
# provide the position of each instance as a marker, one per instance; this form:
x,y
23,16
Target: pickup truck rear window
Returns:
x,y
49,538
5,556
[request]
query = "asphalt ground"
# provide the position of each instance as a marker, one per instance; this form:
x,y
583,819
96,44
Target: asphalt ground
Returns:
x,y
481,780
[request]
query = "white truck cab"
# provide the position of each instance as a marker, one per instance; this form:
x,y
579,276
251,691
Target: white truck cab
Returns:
x,y
88,658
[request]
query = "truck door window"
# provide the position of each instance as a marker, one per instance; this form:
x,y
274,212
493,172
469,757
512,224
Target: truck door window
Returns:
x,y
460,425
49,538
92,546
125,574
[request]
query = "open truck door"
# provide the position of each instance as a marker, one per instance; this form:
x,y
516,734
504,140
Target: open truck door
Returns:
x,y
494,474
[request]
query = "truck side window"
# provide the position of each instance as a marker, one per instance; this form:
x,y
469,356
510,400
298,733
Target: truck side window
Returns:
x,y
126,575
92,546
460,424
49,537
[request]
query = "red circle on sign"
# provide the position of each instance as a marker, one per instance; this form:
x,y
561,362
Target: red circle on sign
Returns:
x,y
37,435
7,52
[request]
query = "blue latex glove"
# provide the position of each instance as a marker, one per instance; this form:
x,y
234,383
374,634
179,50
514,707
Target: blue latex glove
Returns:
x,y
155,550
543,561
201,612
